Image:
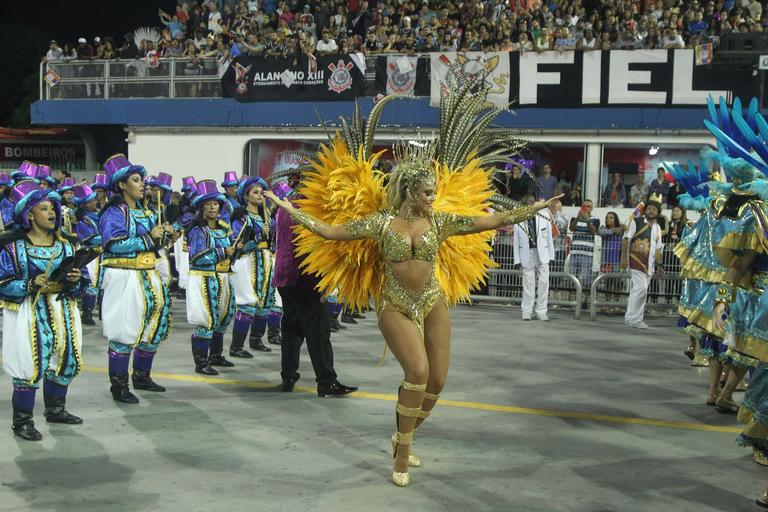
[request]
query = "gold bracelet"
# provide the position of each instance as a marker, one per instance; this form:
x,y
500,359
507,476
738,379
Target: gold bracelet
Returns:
x,y
306,220
518,215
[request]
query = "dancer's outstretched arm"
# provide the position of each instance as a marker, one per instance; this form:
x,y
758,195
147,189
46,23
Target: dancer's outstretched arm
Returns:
x,y
492,222
343,232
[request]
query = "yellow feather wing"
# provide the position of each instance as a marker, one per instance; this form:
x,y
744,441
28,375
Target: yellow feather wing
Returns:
x,y
339,188
463,261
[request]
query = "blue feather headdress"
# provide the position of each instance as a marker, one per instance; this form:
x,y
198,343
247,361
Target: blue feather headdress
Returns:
x,y
695,180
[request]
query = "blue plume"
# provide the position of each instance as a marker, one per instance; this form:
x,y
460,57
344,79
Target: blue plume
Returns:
x,y
738,136
697,203
759,187
692,179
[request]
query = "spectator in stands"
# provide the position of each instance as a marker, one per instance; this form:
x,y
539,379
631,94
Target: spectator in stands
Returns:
x,y
563,184
588,42
584,228
108,51
660,186
673,40
548,183
614,194
84,50
175,26
520,184
174,50
54,52
559,235
639,191
523,44
611,233
327,45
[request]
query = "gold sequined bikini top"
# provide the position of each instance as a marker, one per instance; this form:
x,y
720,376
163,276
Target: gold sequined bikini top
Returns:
x,y
398,246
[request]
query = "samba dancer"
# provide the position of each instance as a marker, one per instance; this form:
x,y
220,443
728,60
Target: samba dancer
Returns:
x,y
87,230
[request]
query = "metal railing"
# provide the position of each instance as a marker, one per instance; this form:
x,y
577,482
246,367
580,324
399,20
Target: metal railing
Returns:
x,y
107,79
604,282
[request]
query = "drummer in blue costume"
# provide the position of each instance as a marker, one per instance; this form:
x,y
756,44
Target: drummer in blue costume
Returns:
x,y
229,185
188,214
210,303
252,273
43,175
42,335
135,307
157,198
6,206
87,230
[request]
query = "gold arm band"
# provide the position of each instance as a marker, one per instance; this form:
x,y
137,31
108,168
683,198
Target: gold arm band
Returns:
x,y
408,412
408,386
306,220
431,396
403,438
518,215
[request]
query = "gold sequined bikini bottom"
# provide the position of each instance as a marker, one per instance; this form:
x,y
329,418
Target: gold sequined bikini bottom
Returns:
x,y
416,305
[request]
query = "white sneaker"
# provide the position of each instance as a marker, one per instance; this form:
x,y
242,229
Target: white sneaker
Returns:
x,y
526,316
639,325
543,317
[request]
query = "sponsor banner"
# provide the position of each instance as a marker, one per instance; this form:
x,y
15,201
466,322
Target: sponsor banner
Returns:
x,y
331,78
452,68
621,78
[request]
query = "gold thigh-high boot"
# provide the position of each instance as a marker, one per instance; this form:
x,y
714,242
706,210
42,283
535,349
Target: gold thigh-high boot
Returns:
x,y
413,459
406,419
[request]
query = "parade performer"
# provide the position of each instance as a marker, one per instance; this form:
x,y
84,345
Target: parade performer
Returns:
x,y
252,272
100,185
157,199
43,175
42,335
229,185
398,243
6,205
87,231
26,171
188,214
68,220
135,306
210,303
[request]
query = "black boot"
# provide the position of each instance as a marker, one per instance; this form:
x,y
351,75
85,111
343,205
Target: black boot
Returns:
x,y
254,341
236,347
23,426
346,317
335,325
86,318
119,389
55,411
273,335
202,365
215,350
142,380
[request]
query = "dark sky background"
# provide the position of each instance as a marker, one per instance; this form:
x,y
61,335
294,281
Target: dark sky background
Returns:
x,y
26,26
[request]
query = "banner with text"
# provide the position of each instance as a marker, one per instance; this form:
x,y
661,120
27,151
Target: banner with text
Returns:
x,y
647,78
335,78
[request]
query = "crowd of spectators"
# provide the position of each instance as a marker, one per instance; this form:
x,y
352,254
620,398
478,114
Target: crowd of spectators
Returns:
x,y
272,28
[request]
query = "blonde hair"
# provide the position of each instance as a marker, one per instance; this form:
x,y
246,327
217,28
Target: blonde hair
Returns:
x,y
405,180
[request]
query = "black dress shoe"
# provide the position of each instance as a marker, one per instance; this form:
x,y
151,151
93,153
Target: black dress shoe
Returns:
x,y
347,318
257,344
287,385
87,319
356,314
241,353
219,360
335,389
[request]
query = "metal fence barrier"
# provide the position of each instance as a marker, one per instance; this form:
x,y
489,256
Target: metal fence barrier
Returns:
x,y
607,288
